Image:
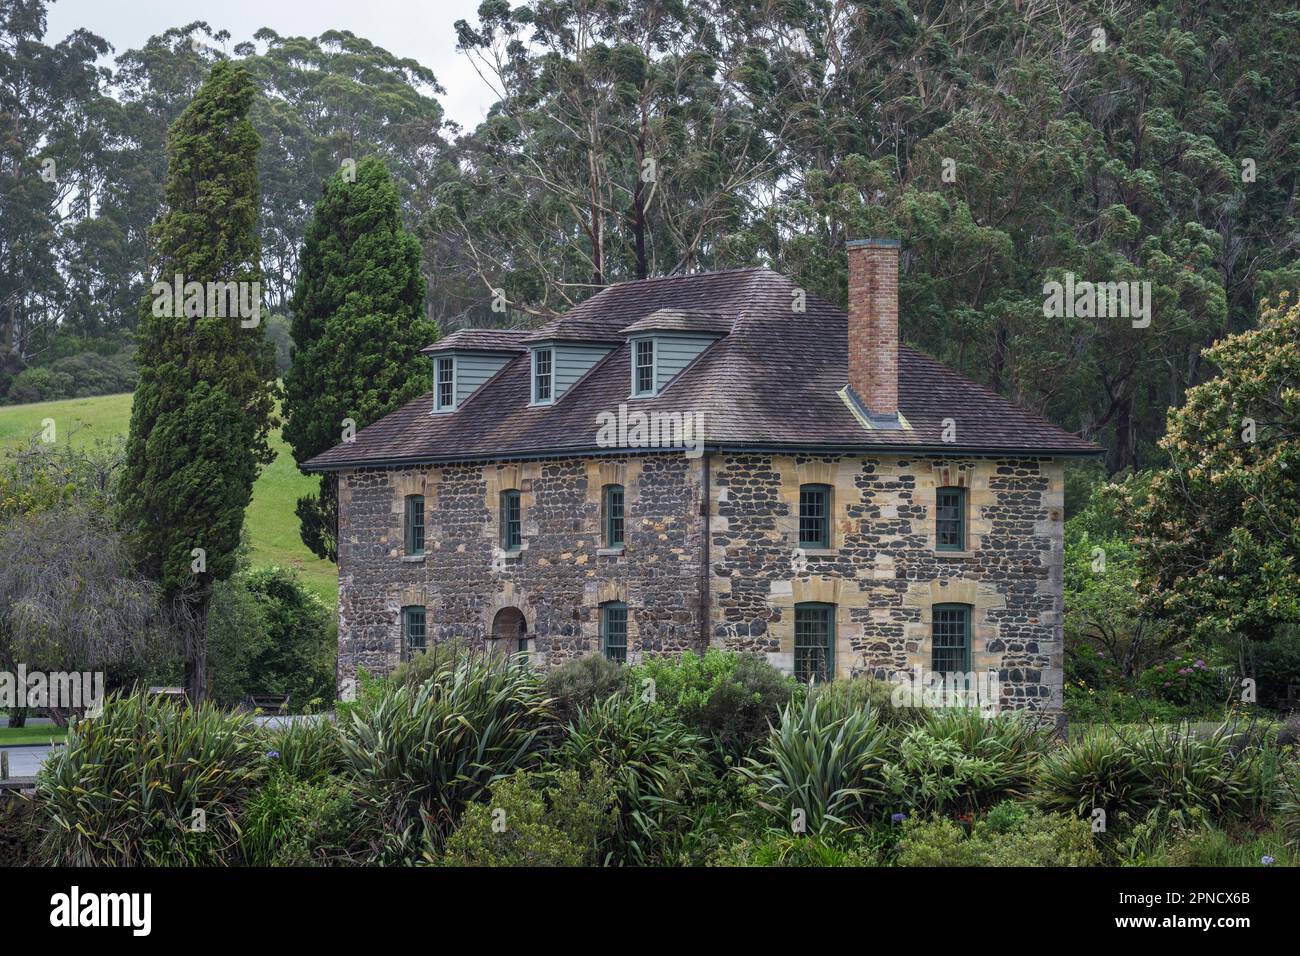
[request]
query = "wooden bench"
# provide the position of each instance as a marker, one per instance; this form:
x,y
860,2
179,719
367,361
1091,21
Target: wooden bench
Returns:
x,y
268,703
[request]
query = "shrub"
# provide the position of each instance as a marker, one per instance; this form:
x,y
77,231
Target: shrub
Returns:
x,y
1186,680
529,820
270,634
308,749
934,775
1168,774
866,693
18,832
437,659
298,822
957,759
419,754
781,848
1209,846
655,764
124,790
1037,839
1192,779
822,762
1100,771
730,699
577,684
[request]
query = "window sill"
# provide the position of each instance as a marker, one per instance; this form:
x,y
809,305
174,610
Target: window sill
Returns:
x,y
610,552
953,554
413,559
512,555
819,552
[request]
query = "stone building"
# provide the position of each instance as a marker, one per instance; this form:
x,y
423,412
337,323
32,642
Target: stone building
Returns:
x,y
716,460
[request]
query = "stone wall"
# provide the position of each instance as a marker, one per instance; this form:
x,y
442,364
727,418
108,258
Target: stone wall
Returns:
x,y
557,579
882,570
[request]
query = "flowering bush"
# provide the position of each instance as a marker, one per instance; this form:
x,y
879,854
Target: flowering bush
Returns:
x,y
1183,680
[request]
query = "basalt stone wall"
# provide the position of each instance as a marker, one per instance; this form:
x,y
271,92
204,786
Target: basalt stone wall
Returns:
x,y
557,580
882,571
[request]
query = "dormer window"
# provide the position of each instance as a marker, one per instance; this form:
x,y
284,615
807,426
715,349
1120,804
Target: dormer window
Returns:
x,y
444,389
643,367
543,376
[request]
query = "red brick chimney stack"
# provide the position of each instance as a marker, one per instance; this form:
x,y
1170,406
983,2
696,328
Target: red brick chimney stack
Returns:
x,y
873,324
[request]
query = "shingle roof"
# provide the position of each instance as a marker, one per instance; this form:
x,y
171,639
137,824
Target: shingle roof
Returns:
x,y
681,320
773,383
481,340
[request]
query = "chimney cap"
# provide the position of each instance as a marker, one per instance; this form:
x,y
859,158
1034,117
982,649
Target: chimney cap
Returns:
x,y
873,243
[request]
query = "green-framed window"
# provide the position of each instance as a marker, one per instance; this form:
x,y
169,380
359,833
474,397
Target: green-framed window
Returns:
x,y
814,642
512,537
643,367
950,519
613,631
613,516
543,375
445,384
814,516
414,523
950,639
413,632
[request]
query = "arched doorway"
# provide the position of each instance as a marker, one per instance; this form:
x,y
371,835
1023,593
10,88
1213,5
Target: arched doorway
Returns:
x,y
510,632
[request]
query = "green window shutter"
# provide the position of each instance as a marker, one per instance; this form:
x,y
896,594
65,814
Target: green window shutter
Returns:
x,y
950,519
413,630
950,639
414,524
613,511
613,631
814,642
814,516
511,521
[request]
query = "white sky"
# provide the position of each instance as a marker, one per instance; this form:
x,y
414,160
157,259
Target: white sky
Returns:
x,y
408,28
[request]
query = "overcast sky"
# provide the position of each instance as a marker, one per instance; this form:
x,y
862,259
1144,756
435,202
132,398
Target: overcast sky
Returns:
x,y
418,29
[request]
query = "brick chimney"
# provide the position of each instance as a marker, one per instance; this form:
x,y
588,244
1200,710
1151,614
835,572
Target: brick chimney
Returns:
x,y
873,324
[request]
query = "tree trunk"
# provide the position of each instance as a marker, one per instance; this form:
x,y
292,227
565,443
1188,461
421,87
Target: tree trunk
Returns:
x,y
196,647
1121,450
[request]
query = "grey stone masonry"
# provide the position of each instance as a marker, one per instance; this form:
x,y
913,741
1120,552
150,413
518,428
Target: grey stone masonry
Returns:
x,y
882,571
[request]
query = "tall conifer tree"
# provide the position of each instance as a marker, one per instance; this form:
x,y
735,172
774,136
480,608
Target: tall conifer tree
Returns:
x,y
203,407
358,328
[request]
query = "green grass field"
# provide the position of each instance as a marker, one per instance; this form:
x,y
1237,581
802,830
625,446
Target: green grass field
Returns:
x,y
271,523
35,734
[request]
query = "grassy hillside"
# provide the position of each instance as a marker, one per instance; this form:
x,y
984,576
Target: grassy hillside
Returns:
x,y
272,526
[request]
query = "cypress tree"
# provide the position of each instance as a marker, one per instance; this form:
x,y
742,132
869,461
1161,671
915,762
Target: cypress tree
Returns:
x,y
358,328
204,403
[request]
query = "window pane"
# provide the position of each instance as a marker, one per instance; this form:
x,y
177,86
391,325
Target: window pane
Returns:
x,y
415,524
950,639
446,384
645,366
613,631
814,642
542,375
950,519
614,516
814,516
413,627
511,528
